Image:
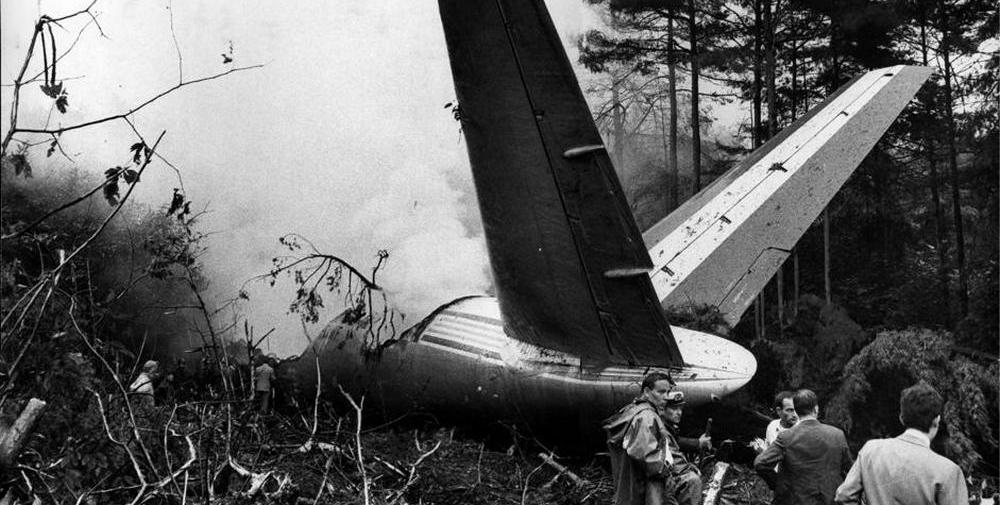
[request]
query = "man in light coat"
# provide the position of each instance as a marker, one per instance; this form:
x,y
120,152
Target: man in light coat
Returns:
x,y
905,469
638,443
142,386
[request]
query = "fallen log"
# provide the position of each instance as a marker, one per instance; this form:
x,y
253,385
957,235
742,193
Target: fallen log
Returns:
x,y
714,484
547,458
12,438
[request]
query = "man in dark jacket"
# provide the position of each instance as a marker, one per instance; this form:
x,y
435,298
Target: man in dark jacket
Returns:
x,y
638,445
814,458
685,476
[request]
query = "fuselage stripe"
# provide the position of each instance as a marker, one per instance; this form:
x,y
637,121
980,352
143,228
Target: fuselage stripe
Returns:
x,y
465,338
474,317
460,346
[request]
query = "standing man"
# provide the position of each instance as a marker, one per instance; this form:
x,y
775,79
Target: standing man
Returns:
x,y
905,469
814,458
638,445
785,408
142,386
262,384
787,418
685,475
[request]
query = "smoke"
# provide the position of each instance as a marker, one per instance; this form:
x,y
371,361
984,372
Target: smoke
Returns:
x,y
341,137
433,257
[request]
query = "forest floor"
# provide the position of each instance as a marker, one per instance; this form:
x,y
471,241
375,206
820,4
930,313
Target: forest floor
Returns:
x,y
428,466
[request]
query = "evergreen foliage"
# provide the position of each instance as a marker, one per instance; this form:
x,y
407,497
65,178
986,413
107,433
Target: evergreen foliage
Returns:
x,y
867,402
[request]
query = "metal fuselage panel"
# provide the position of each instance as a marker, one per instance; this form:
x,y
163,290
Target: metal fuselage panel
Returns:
x,y
464,365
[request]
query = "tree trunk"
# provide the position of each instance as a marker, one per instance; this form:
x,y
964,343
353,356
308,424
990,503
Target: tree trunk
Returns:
x,y
617,123
756,74
772,126
939,231
672,96
695,107
956,201
939,224
795,284
827,288
794,113
758,303
826,256
772,109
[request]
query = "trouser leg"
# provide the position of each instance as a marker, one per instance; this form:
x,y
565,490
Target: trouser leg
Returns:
x,y
688,489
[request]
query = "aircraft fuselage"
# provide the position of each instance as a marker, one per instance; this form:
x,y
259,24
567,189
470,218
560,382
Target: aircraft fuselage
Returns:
x,y
462,364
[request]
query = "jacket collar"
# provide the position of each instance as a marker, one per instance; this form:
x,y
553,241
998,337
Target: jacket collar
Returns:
x,y
915,437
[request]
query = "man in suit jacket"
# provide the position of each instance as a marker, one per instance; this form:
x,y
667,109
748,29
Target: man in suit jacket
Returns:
x,y
905,469
814,458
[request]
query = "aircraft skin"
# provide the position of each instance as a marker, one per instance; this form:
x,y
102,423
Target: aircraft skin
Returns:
x,y
578,320
461,365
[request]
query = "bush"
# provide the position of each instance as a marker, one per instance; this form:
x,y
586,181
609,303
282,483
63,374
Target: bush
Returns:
x,y
866,404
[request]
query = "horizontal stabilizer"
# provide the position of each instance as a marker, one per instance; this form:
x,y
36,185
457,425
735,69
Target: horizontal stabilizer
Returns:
x,y
557,226
723,245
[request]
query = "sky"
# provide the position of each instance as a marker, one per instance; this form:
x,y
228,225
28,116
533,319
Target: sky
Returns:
x,y
342,136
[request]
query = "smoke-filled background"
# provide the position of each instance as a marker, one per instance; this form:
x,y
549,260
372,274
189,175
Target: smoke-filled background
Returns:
x,y
342,136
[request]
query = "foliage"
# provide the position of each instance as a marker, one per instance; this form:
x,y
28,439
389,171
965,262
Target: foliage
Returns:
x,y
697,317
95,306
868,398
811,352
314,272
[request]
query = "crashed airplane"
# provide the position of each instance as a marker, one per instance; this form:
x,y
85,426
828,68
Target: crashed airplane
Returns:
x,y
578,315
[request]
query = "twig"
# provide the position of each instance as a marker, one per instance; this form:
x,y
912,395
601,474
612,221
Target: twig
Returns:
x,y
121,389
322,484
136,108
177,47
527,481
413,472
547,458
479,464
357,442
131,455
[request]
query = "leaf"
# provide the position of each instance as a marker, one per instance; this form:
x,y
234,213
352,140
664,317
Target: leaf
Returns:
x,y
112,172
52,148
52,91
176,202
226,59
111,192
130,176
21,165
447,105
137,150
62,103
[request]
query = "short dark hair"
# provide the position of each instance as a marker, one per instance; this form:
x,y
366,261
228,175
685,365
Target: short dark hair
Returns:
x,y
649,382
805,401
919,404
779,399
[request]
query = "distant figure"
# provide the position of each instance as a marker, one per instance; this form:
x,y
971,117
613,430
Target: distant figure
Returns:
x,y
814,458
905,469
262,385
143,384
685,475
638,445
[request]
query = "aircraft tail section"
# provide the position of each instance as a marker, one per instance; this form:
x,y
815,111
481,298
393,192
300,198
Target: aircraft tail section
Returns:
x,y
569,264
724,244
